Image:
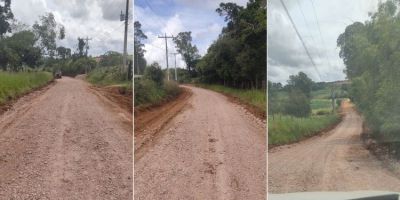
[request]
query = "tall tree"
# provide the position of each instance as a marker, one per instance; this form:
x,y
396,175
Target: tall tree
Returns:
x,y
47,31
189,52
140,61
81,46
5,15
371,55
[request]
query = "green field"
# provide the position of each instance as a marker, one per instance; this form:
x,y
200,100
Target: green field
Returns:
x,y
286,129
253,97
14,84
283,129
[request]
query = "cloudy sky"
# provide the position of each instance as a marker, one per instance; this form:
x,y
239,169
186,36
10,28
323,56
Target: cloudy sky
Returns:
x,y
96,19
173,16
286,54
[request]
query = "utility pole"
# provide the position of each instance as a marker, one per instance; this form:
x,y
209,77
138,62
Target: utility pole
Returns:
x,y
87,45
176,76
166,50
86,53
124,59
333,97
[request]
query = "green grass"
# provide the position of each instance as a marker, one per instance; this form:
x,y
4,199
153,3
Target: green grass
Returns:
x,y
148,93
253,97
321,104
14,84
286,129
106,76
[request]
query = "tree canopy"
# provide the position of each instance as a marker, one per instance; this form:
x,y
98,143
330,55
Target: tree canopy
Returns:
x,y
139,36
371,54
237,58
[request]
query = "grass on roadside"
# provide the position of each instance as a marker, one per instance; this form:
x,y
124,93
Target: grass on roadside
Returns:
x,y
254,97
283,129
148,93
14,84
107,76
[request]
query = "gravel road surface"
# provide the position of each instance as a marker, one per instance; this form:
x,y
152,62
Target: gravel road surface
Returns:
x,y
213,149
65,142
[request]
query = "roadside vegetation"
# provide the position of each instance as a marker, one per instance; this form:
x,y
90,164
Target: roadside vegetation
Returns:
x,y
371,55
29,56
234,63
302,108
254,97
153,89
13,85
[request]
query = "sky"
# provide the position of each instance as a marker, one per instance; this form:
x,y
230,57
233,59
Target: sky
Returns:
x,y
286,55
160,17
96,19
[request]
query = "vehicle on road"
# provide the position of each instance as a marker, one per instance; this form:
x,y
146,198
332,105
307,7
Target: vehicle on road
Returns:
x,y
58,74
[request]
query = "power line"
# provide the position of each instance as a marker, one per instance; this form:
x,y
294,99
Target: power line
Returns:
x,y
320,32
301,39
152,10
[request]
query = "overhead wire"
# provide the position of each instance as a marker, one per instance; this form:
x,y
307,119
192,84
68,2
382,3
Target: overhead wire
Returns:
x,y
301,39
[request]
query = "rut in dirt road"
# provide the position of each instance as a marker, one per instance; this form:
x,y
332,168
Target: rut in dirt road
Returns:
x,y
336,161
65,142
213,149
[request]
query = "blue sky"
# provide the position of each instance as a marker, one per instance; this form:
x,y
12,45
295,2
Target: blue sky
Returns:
x,y
173,16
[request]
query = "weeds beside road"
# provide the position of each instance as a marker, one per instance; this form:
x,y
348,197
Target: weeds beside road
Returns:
x,y
13,85
255,97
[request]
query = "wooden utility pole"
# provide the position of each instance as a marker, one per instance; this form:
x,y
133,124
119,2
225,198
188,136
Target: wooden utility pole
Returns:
x,y
176,75
87,45
124,59
166,50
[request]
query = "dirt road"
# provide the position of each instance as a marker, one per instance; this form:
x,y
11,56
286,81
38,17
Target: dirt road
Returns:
x,y
336,161
213,149
65,142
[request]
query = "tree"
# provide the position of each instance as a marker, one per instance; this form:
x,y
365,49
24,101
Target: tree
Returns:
x,y
154,73
81,46
110,58
138,48
238,56
298,104
5,15
189,52
301,82
18,50
371,55
63,53
46,32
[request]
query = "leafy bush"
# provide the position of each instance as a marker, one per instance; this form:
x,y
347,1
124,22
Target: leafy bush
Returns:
x,y
107,76
79,66
171,88
154,73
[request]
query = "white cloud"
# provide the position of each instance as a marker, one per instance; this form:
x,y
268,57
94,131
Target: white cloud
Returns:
x,y
81,18
286,55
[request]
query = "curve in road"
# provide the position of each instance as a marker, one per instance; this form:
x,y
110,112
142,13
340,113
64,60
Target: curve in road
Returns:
x,y
213,149
336,161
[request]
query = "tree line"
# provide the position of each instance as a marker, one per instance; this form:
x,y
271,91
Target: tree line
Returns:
x,y
236,59
23,47
371,54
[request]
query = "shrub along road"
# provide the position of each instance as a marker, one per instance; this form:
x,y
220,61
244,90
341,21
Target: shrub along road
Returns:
x,y
213,149
65,142
335,161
